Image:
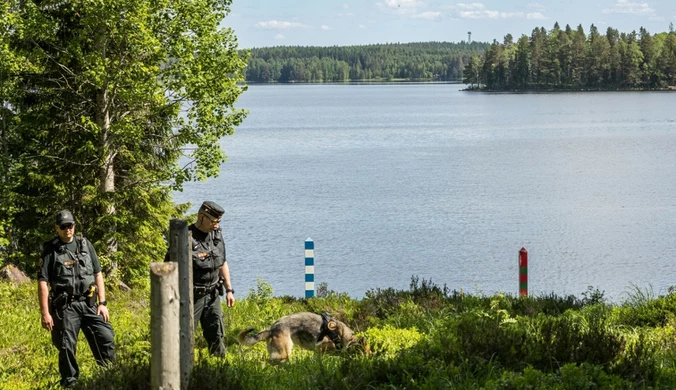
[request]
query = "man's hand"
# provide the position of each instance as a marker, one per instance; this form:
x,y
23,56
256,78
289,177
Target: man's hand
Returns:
x,y
230,298
47,321
102,310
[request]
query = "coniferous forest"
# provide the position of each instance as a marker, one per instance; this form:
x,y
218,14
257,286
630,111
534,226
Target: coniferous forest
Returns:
x,y
441,61
567,59
558,59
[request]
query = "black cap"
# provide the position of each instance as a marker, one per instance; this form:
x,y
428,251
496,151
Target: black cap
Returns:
x,y
64,216
212,209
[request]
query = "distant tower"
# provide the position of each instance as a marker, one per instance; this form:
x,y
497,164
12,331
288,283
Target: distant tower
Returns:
x,y
469,37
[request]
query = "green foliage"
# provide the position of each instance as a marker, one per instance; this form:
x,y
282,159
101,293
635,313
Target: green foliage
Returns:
x,y
642,308
101,101
388,342
394,61
429,338
567,59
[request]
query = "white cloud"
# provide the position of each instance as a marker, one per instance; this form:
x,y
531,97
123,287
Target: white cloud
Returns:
x,y
279,25
346,6
536,6
479,11
326,28
279,36
436,16
362,26
625,7
467,7
400,6
535,16
341,14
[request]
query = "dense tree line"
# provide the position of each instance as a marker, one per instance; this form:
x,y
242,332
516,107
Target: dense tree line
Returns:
x,y
405,61
572,59
94,118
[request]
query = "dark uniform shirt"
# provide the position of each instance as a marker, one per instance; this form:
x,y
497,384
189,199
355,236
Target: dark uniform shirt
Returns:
x,y
208,255
48,271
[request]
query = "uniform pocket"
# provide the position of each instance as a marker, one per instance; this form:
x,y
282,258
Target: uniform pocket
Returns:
x,y
64,265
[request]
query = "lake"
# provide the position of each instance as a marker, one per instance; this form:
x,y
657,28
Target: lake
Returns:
x,y
396,180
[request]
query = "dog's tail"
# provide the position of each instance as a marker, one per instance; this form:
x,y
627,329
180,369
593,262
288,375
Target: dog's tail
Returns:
x,y
246,337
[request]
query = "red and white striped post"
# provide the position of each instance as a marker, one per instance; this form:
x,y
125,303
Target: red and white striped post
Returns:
x,y
523,272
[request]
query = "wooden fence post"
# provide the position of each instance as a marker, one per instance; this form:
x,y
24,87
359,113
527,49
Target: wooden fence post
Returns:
x,y
164,327
181,252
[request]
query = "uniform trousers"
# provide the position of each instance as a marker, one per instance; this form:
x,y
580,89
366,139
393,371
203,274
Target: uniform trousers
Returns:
x,y
209,313
67,324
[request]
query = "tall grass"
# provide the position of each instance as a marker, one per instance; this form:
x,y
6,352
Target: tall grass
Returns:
x,y
426,337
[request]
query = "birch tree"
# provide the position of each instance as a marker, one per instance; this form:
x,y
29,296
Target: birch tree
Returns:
x,y
122,91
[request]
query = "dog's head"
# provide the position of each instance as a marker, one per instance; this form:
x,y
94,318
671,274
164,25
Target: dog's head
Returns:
x,y
351,342
358,344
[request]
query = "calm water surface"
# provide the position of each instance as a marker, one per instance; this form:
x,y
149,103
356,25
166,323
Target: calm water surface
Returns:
x,y
397,180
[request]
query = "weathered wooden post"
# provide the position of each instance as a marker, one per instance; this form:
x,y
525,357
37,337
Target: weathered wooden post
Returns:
x,y
309,268
181,252
523,272
164,327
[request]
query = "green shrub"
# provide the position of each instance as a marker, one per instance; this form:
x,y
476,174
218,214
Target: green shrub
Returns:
x,y
388,342
422,338
643,309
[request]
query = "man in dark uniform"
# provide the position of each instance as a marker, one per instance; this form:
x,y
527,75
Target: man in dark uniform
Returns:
x,y
210,275
77,299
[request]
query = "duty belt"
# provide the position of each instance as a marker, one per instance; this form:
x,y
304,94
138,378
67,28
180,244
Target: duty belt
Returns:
x,y
66,298
200,291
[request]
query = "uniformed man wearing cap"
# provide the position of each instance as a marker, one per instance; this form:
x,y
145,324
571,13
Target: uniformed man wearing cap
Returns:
x,y
211,275
76,300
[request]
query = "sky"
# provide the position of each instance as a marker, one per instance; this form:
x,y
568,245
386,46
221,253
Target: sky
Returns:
x,y
264,23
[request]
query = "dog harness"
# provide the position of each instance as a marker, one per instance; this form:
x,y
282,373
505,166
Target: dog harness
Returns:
x,y
330,328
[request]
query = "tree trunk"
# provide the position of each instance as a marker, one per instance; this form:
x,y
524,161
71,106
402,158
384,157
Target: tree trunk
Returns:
x,y
107,172
108,156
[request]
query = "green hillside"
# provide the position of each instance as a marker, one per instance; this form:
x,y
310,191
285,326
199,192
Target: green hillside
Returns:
x,y
443,61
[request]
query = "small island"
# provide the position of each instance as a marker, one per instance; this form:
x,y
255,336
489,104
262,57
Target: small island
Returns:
x,y
571,60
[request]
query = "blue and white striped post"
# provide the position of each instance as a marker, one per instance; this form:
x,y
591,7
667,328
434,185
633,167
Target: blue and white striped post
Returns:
x,y
309,268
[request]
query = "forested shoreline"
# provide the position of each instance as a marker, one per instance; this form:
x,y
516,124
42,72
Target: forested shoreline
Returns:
x,y
567,59
441,61
558,59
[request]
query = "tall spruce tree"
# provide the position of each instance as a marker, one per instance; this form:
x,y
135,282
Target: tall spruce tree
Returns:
x,y
117,92
648,66
578,57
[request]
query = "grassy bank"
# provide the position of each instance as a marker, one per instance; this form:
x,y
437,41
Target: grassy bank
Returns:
x,y
426,337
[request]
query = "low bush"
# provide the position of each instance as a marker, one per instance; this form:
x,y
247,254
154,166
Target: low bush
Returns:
x,y
426,337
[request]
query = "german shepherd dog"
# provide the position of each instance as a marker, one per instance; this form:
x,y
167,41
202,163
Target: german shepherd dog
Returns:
x,y
307,330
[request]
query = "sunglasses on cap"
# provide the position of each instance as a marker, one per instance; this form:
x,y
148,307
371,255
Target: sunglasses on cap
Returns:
x,y
66,226
212,220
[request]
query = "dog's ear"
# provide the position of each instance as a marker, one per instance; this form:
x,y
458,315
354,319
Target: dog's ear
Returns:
x,y
335,326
